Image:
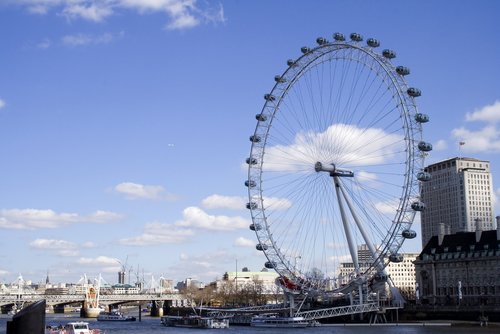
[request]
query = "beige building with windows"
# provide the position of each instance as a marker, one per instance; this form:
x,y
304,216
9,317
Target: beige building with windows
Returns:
x,y
461,269
401,273
457,198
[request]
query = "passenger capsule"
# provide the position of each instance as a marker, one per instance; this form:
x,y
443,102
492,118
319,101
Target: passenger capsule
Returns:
x,y
305,49
389,54
321,41
396,257
424,146
356,37
291,63
422,118
255,227
270,264
251,205
380,277
261,247
423,176
255,139
339,37
279,79
402,70
251,161
269,97
414,92
409,234
250,183
418,206
373,42
261,117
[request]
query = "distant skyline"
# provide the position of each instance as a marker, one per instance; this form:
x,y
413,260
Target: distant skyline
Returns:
x,y
124,125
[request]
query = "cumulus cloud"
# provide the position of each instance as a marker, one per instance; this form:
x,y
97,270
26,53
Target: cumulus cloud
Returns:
x,y
244,242
489,113
157,234
134,191
197,218
100,260
440,145
486,139
480,139
224,202
31,219
44,44
2,103
181,14
62,247
205,266
359,143
85,39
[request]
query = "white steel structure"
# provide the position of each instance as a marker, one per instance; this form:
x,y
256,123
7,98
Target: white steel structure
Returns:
x,y
458,197
336,160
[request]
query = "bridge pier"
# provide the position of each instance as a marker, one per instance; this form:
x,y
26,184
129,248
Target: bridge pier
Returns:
x,y
157,308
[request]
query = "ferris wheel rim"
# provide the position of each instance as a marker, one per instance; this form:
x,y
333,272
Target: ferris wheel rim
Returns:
x,y
407,107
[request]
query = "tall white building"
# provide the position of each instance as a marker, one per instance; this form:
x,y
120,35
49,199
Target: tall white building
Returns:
x,y
458,198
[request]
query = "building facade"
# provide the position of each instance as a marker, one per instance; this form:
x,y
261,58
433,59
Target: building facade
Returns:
x,y
458,198
402,274
460,269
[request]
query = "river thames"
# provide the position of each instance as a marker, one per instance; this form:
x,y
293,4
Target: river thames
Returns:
x,y
153,325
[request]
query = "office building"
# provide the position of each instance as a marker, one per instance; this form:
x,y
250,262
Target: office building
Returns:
x,y
458,198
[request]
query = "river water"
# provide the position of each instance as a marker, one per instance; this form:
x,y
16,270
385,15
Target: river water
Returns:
x,y
152,325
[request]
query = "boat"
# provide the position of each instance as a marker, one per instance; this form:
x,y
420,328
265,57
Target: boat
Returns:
x,y
77,327
275,321
194,321
114,315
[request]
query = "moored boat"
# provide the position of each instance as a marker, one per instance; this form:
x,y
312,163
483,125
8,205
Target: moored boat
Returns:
x,y
194,321
77,327
114,315
274,321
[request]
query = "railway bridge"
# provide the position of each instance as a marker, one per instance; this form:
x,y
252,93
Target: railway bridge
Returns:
x,y
159,302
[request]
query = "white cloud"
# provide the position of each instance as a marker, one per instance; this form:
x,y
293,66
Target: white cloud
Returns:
x,y
139,191
88,10
30,219
44,44
62,247
205,266
85,39
182,14
104,217
489,113
183,21
486,139
307,146
52,244
224,202
440,145
244,242
2,103
197,218
157,234
104,264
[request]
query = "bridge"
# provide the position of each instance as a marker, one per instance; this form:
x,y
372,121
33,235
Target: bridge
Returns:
x,y
159,301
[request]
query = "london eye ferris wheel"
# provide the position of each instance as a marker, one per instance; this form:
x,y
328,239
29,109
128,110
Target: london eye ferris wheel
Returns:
x,y
334,166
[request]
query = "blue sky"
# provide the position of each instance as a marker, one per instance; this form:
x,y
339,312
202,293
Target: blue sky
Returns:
x,y
124,124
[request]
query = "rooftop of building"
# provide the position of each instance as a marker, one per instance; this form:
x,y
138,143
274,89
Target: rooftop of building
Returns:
x,y
457,158
462,242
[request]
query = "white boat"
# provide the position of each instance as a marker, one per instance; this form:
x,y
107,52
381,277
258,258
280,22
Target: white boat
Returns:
x,y
114,315
194,321
279,322
77,327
